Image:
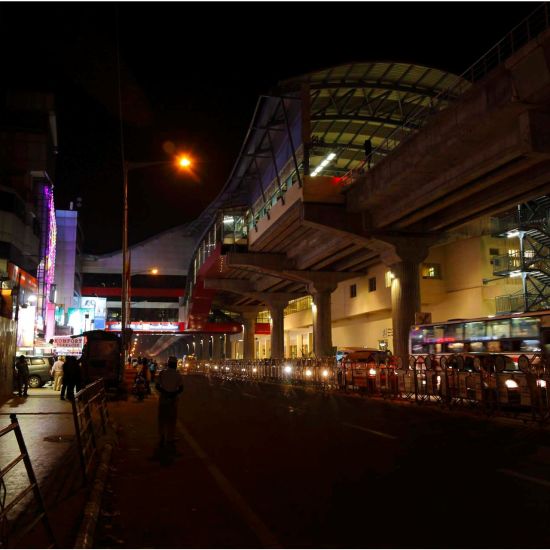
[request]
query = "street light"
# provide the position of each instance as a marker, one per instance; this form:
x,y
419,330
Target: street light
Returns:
x,y
182,162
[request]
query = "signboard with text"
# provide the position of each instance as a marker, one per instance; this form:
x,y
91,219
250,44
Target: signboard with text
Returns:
x,y
65,345
146,326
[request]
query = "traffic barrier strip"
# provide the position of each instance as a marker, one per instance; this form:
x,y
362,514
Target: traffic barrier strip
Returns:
x,y
450,380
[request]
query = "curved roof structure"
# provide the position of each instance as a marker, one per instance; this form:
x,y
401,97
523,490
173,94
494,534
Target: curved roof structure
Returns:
x,y
352,103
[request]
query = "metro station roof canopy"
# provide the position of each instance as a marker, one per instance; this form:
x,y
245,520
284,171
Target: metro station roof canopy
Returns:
x,y
359,101
347,105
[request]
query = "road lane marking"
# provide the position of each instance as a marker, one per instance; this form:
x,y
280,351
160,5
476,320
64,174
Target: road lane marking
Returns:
x,y
225,389
536,480
363,429
249,395
265,536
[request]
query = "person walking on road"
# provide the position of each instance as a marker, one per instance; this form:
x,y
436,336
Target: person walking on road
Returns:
x,y
57,373
170,385
22,368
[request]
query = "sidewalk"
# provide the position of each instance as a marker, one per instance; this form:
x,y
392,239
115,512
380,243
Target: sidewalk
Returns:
x,y
48,430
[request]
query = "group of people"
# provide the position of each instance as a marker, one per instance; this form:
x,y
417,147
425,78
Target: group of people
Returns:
x,y
67,376
145,372
66,373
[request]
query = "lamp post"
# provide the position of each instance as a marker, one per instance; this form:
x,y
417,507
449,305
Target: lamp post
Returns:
x,y
151,271
182,162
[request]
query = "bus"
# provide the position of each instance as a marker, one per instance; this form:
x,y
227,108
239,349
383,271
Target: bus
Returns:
x,y
511,335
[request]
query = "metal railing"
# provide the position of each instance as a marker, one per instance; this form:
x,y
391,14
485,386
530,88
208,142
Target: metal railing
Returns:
x,y
8,539
492,383
488,383
502,265
510,303
89,415
321,373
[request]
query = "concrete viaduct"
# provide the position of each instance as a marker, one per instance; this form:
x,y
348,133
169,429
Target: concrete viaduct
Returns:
x,y
485,151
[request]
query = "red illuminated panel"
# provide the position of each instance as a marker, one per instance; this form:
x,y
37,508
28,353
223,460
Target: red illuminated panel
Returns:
x,y
262,328
107,292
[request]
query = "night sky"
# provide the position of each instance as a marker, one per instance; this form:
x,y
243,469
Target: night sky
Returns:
x,y
191,75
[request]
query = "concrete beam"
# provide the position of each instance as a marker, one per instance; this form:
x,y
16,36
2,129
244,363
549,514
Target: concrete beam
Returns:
x,y
259,261
494,131
238,286
336,220
331,278
249,289
356,228
242,309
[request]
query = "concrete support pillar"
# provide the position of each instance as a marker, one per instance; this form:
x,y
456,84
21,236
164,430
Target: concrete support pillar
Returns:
x,y
206,338
217,347
228,346
276,310
201,346
404,259
197,339
287,344
322,318
249,318
405,302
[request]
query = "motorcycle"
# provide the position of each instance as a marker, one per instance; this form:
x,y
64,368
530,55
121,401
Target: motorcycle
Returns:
x,y
139,388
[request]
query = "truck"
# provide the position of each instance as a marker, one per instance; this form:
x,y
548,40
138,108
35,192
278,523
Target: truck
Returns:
x,y
102,357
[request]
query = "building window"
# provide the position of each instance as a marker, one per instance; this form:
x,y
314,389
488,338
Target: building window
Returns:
x,y
431,271
493,252
372,284
352,291
299,304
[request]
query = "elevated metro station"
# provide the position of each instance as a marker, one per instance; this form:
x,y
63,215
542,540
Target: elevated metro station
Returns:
x,y
365,197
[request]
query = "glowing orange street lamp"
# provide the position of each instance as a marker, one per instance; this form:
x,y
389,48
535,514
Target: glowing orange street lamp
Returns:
x,y
184,161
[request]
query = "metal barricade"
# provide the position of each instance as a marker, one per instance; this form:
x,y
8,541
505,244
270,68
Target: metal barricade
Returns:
x,y
7,539
89,412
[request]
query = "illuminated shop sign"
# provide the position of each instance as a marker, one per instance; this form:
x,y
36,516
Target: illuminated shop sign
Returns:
x,y
64,345
80,319
161,326
99,307
25,326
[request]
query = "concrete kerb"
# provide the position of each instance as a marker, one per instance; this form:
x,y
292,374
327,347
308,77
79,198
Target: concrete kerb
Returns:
x,y
88,525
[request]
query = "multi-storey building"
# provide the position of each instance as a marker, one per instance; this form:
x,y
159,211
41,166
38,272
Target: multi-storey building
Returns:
x,y
28,144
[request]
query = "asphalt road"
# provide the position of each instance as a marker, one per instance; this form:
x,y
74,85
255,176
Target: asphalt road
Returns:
x,y
271,466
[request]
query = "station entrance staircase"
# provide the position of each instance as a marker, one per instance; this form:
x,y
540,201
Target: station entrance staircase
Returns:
x,y
528,258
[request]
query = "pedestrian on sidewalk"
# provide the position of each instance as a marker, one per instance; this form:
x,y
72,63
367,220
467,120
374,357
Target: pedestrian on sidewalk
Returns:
x,y
71,377
57,373
170,385
22,368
